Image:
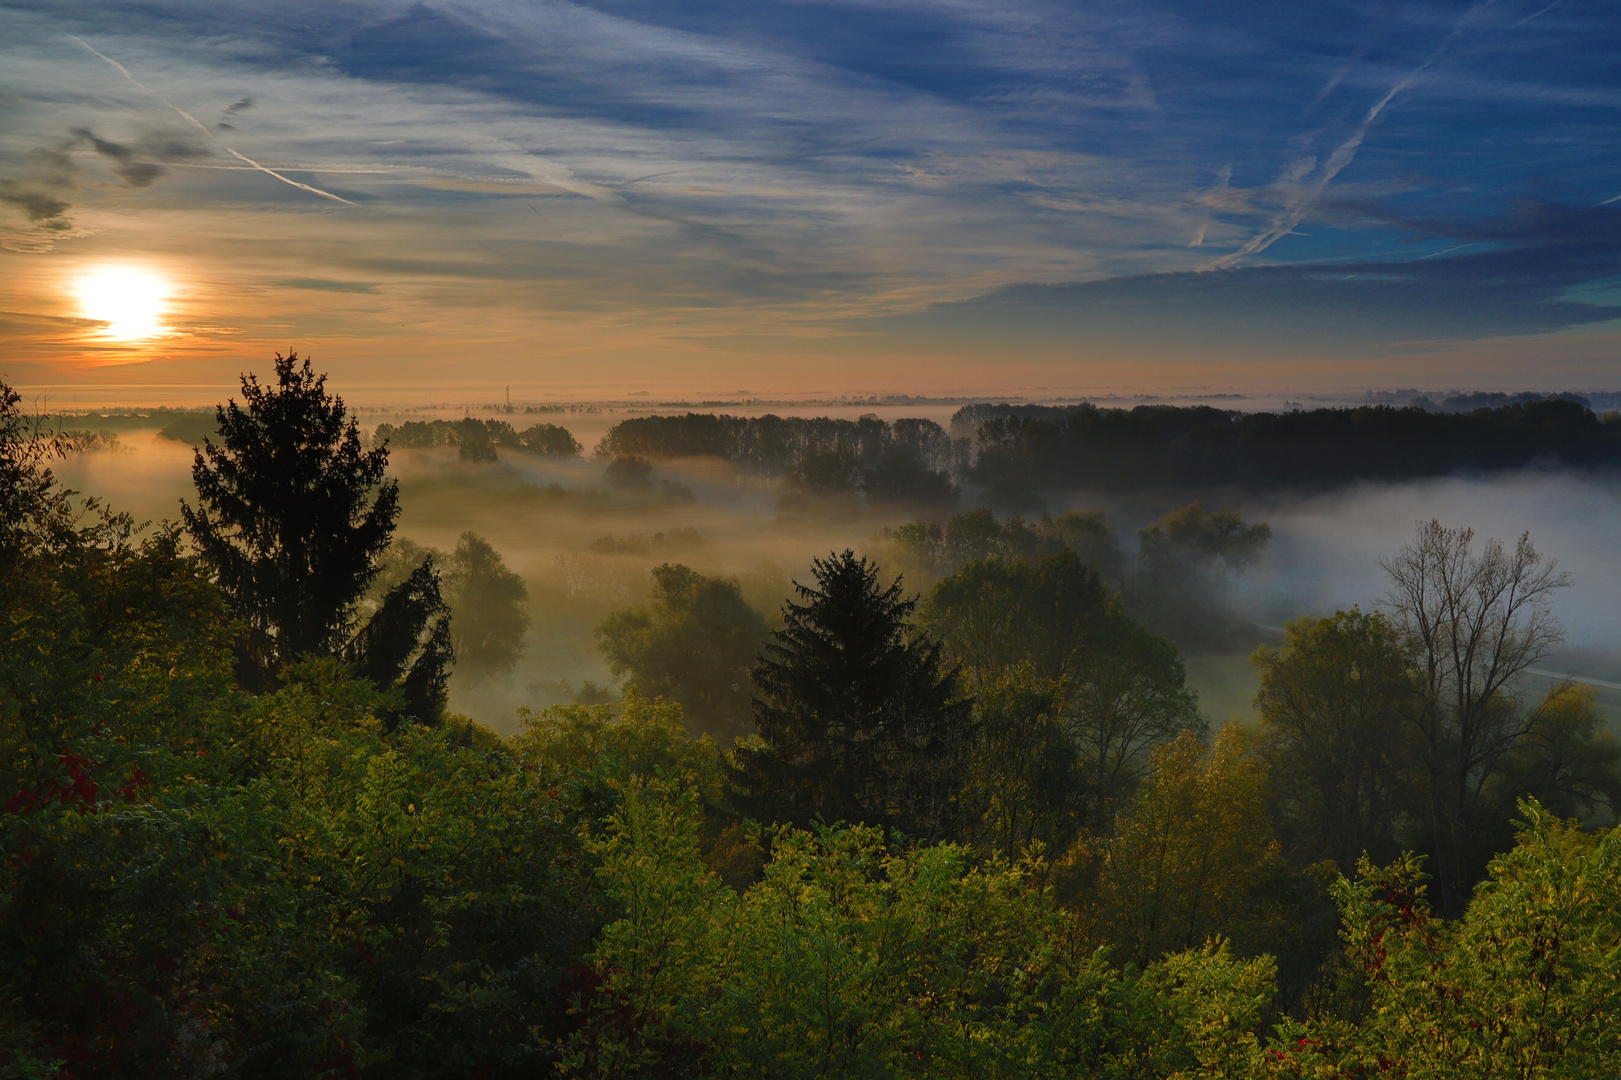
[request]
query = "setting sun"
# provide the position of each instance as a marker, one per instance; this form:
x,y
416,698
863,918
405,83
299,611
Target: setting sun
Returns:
x,y
129,300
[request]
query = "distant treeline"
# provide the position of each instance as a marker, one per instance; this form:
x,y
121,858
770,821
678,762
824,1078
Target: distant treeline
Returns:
x,y
477,439
771,444
1481,399
1158,446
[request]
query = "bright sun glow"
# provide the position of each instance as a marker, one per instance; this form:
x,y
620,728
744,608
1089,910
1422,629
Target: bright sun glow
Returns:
x,y
128,300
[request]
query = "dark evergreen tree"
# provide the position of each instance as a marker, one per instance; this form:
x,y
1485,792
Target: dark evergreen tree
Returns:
x,y
390,648
292,517
858,720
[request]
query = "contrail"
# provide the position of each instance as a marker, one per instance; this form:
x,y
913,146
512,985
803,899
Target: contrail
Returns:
x,y
1223,181
1299,207
1537,14
286,179
202,127
1284,223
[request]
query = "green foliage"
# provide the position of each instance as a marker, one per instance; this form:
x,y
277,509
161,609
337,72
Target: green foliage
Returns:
x,y
857,722
488,603
1190,855
771,445
33,511
1116,689
292,516
483,609
695,643
1566,759
1526,984
309,898
1221,537
635,738
628,472
1336,705
1132,696
995,614
389,649
1027,784
1163,447
199,880
927,551
196,881
827,463
901,477
852,958
474,440
549,440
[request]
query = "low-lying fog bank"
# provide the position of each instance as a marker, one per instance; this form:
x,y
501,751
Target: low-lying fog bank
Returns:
x,y
585,545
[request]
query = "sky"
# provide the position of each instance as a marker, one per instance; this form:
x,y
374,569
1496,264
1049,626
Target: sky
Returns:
x,y
887,196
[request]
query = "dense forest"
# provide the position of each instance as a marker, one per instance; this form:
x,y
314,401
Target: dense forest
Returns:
x,y
1015,450
971,822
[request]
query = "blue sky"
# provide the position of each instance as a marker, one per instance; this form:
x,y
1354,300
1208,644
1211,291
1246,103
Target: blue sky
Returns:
x,y
884,195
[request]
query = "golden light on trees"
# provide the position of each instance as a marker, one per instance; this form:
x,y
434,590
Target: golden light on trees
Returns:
x,y
130,300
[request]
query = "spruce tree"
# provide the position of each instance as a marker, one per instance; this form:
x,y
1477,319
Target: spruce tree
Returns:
x,y
292,517
858,721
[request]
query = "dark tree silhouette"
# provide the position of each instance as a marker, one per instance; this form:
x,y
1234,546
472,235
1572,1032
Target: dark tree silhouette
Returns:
x,y
26,485
1474,624
292,518
857,721
489,601
383,649
695,643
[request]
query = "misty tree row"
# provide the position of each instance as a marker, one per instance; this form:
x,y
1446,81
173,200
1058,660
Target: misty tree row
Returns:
x,y
1161,446
772,445
476,440
1015,451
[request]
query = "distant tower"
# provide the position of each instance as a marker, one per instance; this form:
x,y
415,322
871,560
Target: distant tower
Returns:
x,y
509,398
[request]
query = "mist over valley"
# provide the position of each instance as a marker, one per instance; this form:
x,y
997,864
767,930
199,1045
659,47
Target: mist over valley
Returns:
x,y
586,546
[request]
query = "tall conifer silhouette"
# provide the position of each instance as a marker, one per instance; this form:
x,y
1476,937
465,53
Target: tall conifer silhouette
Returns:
x,y
857,722
292,517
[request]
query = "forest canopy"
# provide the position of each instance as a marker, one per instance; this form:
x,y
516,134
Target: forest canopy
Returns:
x,y
972,825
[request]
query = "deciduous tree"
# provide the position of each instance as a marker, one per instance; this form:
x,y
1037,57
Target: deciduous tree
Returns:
x,y
1337,737
998,613
1475,623
488,604
694,643
1119,689
1189,854
1186,563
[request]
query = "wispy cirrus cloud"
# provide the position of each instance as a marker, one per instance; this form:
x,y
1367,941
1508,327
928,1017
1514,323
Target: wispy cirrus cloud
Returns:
x,y
739,167
1521,283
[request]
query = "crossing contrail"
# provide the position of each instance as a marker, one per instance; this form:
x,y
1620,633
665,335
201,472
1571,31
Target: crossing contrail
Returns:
x,y
202,127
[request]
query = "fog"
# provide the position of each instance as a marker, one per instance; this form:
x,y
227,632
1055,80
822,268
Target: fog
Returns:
x,y
544,516
1325,549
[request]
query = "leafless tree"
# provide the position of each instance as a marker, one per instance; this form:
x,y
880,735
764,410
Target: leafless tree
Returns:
x,y
1475,624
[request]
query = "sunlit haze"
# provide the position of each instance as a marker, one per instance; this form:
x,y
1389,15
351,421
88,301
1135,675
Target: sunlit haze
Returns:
x,y
129,301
